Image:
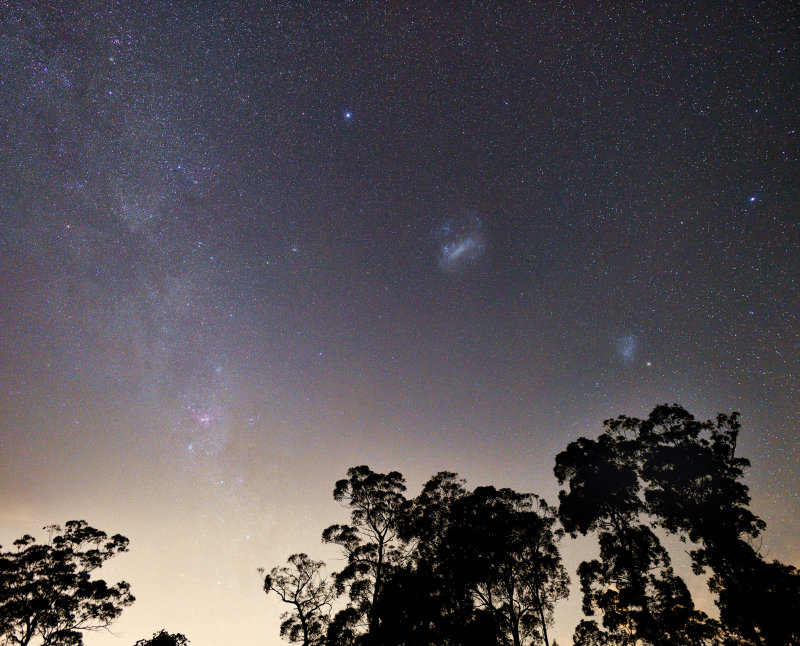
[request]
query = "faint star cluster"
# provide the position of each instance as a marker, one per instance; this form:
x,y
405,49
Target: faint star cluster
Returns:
x,y
461,242
626,347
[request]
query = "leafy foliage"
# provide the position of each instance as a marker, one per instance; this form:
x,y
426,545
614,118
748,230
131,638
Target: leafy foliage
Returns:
x,y
47,593
604,497
163,638
502,547
456,567
694,486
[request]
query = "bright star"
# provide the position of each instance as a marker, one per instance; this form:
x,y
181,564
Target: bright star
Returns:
x,y
348,115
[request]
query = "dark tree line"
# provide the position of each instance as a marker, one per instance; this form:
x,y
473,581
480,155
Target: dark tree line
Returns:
x,y
453,567
460,567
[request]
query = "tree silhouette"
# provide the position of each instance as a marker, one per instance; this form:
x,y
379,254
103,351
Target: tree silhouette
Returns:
x,y
680,474
304,586
370,543
502,545
695,488
483,568
163,638
47,593
426,603
454,567
631,583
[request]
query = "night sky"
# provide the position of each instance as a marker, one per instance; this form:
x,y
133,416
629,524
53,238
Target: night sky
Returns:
x,y
245,246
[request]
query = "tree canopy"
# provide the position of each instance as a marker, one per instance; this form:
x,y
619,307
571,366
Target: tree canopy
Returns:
x,y
459,567
447,567
370,544
48,595
163,638
672,472
454,567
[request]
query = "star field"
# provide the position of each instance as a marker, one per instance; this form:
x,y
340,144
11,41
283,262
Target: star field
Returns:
x,y
245,246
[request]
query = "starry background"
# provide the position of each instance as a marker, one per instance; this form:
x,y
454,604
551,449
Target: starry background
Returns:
x,y
245,246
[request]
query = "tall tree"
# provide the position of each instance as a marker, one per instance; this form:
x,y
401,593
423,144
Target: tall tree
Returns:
x,y
426,603
484,568
304,586
502,545
673,471
631,583
47,594
695,487
370,543
429,517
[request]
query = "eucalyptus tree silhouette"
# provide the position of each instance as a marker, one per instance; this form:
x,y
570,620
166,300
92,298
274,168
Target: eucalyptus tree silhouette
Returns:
x,y
674,472
483,567
454,567
370,543
502,545
47,594
694,487
304,586
632,582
